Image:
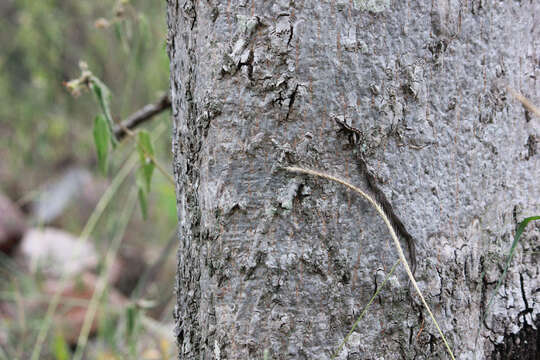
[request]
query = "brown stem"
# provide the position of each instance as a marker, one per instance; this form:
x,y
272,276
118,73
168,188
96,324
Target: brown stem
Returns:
x,y
141,116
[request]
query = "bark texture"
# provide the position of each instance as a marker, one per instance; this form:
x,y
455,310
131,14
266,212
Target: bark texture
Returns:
x,y
277,261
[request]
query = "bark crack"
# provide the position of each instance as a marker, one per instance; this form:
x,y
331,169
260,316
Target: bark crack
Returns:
x,y
441,278
527,309
249,64
292,97
291,27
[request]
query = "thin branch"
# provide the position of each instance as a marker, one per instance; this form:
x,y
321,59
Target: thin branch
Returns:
x,y
141,116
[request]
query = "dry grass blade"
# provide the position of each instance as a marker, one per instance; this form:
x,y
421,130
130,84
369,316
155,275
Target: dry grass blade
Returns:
x,y
526,102
104,277
392,234
89,227
104,201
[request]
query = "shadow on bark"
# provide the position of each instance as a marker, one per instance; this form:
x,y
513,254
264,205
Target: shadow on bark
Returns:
x,y
524,345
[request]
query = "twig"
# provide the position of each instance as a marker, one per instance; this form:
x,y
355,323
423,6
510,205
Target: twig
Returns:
x,y
141,116
386,220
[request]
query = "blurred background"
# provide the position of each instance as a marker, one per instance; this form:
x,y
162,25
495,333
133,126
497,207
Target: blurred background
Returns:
x,y
82,273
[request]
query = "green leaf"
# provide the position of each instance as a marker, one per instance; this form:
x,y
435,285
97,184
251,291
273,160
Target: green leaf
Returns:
x,y
102,137
103,95
143,201
143,194
131,315
520,229
107,329
146,152
60,348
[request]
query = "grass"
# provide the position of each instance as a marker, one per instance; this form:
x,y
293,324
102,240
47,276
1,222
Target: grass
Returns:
x,y
364,311
521,227
24,289
390,228
88,229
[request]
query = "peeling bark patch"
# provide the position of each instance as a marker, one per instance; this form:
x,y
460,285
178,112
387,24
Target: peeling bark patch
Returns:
x,y
527,116
190,11
525,345
286,91
247,60
240,52
288,195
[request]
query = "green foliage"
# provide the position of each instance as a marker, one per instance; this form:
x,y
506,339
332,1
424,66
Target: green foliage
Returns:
x,y
44,128
107,329
104,133
132,322
103,96
146,154
520,229
364,311
517,236
42,44
144,174
102,136
131,317
60,348
142,193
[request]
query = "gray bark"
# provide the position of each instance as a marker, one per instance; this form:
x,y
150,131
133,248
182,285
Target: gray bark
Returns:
x,y
278,261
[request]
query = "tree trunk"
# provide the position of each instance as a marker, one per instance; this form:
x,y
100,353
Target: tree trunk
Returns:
x,y
272,260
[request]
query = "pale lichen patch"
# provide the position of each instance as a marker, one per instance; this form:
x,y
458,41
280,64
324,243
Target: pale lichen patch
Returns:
x,y
372,5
